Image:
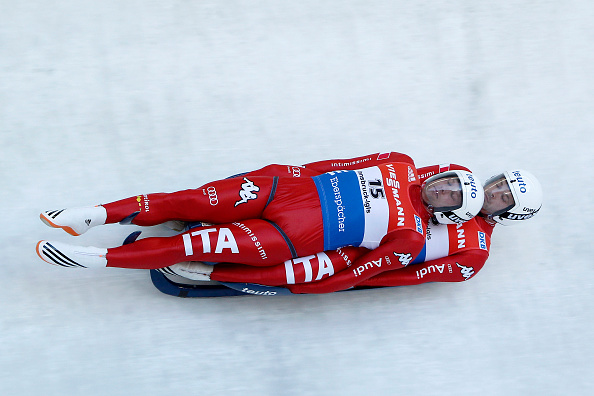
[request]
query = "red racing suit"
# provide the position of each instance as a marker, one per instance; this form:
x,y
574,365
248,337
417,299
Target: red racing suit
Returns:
x,y
452,253
464,247
263,220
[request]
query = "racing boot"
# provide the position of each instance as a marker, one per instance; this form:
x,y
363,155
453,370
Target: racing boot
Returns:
x,y
62,254
75,221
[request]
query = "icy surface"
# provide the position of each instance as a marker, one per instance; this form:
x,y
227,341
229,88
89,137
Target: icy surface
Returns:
x,y
101,100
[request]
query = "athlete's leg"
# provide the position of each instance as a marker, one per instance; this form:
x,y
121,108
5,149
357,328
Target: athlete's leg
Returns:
x,y
221,201
302,224
299,270
253,242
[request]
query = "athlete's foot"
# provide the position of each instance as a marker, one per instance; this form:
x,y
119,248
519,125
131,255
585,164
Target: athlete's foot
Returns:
x,y
194,270
75,221
62,254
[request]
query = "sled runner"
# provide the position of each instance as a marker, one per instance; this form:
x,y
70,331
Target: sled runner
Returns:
x,y
186,288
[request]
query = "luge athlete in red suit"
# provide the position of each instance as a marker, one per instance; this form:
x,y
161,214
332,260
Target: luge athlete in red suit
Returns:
x,y
264,220
452,252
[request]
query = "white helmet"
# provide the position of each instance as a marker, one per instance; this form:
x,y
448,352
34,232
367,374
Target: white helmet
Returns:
x,y
512,196
458,187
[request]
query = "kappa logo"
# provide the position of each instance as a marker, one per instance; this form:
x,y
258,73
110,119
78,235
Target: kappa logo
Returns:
x,y
247,191
466,272
404,258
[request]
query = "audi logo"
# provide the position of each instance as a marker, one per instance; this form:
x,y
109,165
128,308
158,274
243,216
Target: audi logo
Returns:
x,y
212,196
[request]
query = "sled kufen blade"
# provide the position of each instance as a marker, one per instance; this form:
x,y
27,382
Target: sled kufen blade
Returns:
x,y
167,286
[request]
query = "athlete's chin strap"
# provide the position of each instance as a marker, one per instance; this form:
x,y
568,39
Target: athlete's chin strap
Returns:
x,y
431,211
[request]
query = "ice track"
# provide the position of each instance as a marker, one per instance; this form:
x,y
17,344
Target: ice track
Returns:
x,y
103,100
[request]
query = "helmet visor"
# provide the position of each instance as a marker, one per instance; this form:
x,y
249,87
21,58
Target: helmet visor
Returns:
x,y
443,193
498,196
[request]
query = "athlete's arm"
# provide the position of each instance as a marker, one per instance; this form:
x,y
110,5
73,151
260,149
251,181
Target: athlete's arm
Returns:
x,y
401,249
358,162
456,268
317,168
283,171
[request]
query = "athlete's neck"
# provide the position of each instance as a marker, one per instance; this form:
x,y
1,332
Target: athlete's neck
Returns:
x,y
417,202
